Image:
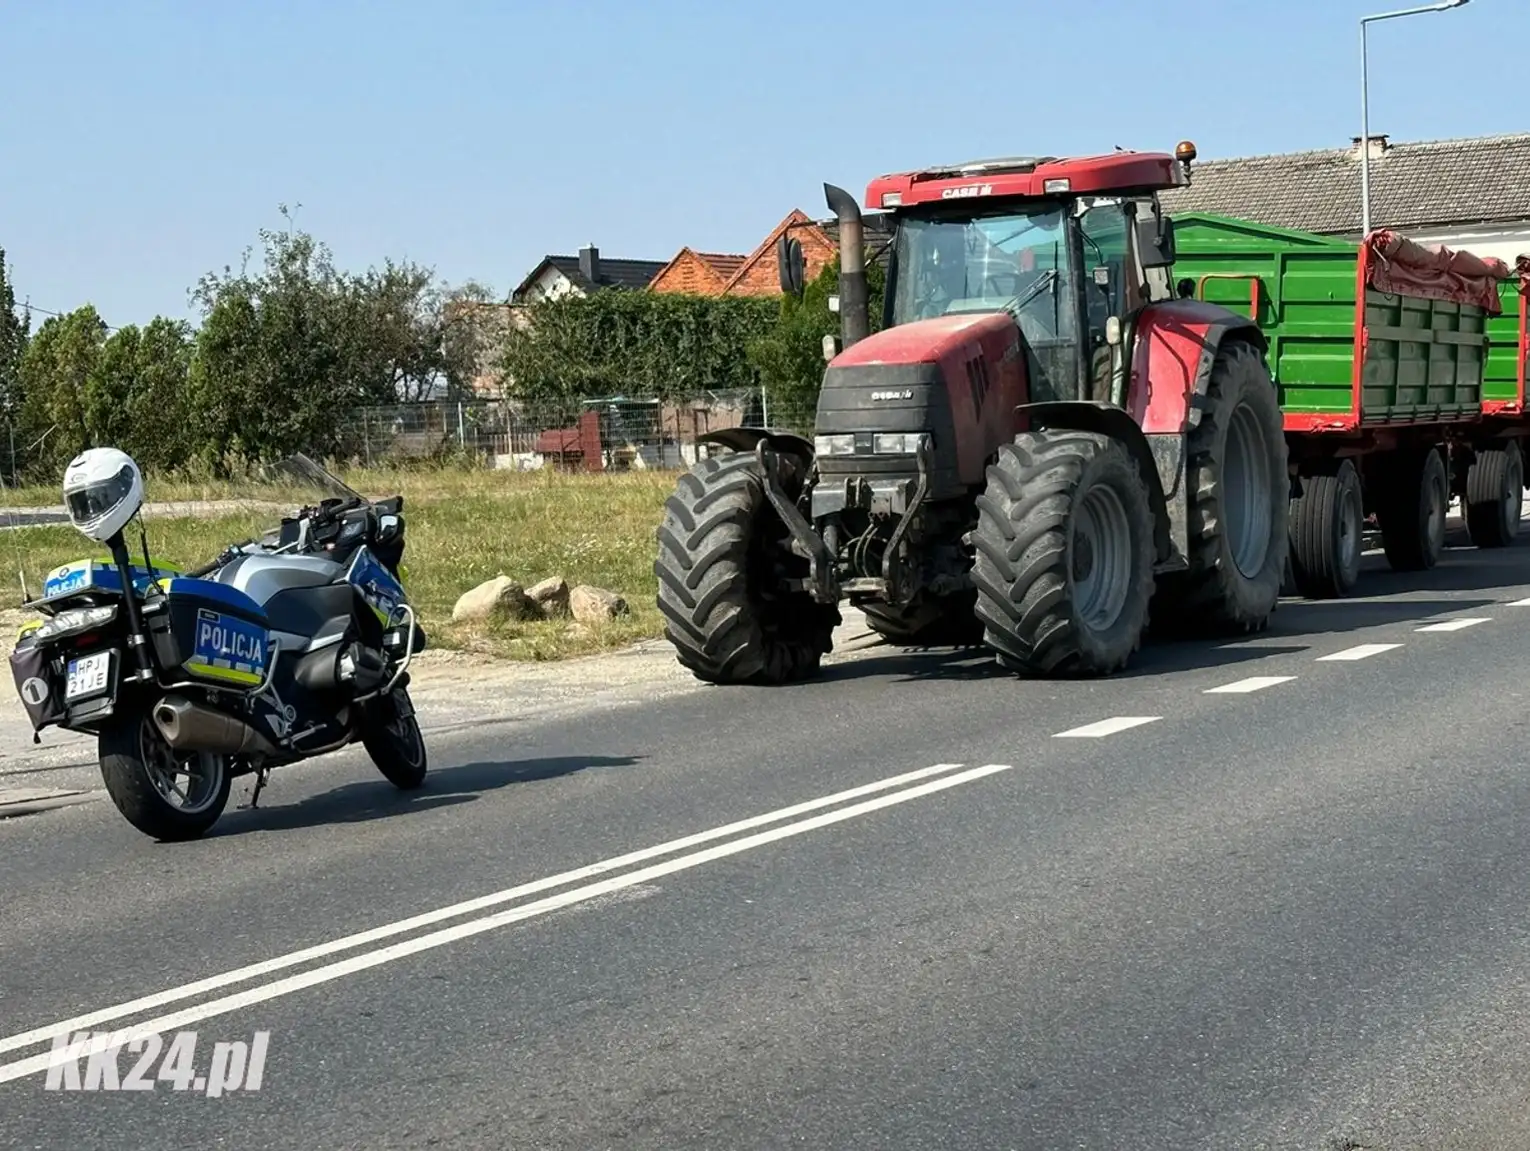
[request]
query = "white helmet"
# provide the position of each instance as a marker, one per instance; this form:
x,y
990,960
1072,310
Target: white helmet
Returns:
x,y
103,489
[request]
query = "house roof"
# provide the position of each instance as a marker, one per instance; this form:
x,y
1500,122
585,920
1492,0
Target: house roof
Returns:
x,y
723,265
613,273
1479,180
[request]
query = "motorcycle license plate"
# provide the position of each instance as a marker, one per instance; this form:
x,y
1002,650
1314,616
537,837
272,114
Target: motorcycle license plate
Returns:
x,y
88,675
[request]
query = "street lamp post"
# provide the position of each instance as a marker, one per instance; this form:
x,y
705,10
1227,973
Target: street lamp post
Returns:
x,y
1365,102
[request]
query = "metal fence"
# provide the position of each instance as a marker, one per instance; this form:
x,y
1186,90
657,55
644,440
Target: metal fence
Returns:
x,y
611,433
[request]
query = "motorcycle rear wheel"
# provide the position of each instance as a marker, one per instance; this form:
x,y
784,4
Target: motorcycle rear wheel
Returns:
x,y
139,769
394,740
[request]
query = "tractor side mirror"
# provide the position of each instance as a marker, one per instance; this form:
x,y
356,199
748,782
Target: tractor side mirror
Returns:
x,y
1155,242
789,265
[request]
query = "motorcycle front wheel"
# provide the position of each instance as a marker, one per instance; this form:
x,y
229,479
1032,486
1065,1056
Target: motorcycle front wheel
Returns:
x,y
391,734
169,795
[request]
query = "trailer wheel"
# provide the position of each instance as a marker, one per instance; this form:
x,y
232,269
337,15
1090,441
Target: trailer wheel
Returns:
x,y
724,555
1411,512
1064,564
933,621
1326,524
1239,497
1495,496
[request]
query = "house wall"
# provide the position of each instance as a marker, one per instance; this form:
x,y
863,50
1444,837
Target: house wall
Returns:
x,y
551,285
1504,243
689,274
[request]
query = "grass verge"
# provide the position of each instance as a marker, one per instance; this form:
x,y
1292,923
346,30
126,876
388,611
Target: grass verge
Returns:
x,y
463,528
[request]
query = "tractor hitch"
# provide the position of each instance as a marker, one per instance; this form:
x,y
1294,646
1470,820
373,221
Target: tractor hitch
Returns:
x,y
821,581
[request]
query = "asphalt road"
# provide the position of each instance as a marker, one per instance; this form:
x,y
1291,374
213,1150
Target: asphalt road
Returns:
x,y
1292,915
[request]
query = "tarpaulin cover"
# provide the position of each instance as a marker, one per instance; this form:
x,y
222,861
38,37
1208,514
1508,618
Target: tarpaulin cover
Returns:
x,y
1405,267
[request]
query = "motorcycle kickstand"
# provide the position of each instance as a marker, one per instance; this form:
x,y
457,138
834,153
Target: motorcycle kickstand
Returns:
x,y
262,775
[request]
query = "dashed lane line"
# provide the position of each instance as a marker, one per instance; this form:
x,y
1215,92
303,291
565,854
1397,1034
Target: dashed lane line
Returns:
x,y
1107,727
1520,603
1244,686
1453,624
1362,651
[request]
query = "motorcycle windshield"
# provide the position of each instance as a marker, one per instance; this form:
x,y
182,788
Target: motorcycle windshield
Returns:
x,y
311,478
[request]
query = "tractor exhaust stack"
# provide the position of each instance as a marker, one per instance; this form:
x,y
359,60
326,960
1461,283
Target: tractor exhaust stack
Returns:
x,y
854,305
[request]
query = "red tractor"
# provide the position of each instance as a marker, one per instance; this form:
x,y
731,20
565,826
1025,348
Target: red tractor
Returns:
x,y
1040,443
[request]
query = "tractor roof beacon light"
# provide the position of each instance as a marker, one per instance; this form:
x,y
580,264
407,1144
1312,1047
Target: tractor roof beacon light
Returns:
x,y
1185,152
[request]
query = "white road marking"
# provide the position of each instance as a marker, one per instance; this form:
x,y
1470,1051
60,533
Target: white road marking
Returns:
x,y
1253,683
1107,727
177,1019
1453,624
1520,603
1364,651
292,959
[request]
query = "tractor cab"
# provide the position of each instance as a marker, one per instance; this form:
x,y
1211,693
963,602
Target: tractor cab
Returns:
x,y
1070,249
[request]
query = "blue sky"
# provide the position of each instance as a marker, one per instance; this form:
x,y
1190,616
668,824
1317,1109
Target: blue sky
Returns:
x,y
144,144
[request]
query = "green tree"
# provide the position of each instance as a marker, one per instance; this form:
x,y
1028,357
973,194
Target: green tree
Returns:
x,y
287,352
137,397
56,383
14,331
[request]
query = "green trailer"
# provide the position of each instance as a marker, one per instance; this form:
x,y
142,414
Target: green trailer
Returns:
x,y
1400,374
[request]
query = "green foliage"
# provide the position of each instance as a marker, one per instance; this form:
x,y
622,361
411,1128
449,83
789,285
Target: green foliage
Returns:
x,y
633,343
789,355
59,383
285,354
14,332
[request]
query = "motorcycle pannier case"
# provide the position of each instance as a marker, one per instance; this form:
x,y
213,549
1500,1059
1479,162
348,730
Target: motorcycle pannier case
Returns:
x,y
214,633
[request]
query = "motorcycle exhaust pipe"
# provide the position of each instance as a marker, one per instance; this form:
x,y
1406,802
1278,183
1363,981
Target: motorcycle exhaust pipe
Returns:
x,y
189,726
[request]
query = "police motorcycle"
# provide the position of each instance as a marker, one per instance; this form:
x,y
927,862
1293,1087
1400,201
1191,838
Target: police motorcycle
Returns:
x,y
279,650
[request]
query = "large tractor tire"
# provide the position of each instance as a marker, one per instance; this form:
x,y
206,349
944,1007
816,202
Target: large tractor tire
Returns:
x,y
1411,510
1495,496
1064,565
1327,522
724,555
943,621
1239,492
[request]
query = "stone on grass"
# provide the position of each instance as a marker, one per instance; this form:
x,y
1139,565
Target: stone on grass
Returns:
x,y
550,596
595,604
499,598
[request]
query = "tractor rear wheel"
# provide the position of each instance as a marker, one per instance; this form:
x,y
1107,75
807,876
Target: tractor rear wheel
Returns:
x,y
1064,565
1239,491
724,557
1495,496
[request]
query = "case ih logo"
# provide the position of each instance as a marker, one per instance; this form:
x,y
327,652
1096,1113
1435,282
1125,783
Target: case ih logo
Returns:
x,y
966,190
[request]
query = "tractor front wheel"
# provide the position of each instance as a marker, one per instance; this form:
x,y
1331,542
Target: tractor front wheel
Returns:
x,y
1239,493
1064,566
724,559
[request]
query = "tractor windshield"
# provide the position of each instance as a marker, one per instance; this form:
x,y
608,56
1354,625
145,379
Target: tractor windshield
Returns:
x,y
1015,261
